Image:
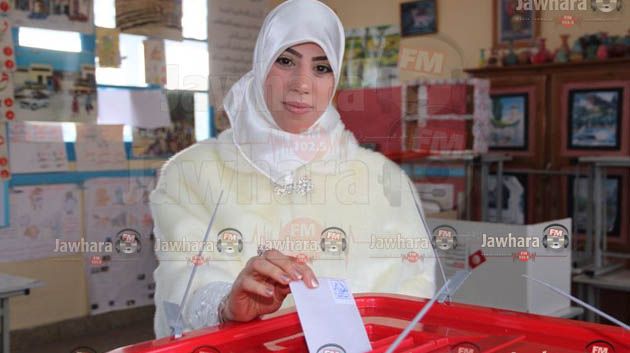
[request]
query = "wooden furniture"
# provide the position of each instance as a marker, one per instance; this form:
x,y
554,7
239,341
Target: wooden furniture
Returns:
x,y
550,159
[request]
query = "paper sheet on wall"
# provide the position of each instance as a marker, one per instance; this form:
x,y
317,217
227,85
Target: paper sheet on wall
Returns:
x,y
119,279
108,47
5,173
37,147
4,204
7,67
52,85
233,27
76,15
371,57
100,147
154,62
145,108
164,142
41,219
154,18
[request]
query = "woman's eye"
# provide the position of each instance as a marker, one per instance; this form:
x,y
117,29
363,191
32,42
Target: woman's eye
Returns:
x,y
284,61
323,69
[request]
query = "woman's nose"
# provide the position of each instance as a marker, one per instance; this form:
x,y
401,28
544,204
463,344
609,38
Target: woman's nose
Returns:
x,y
301,82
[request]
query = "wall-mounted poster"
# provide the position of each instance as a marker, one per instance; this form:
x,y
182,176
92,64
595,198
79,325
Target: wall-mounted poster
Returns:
x,y
100,147
153,18
37,148
371,57
117,213
154,62
508,126
67,15
166,141
108,47
53,85
43,219
418,17
233,27
7,66
5,174
595,117
514,23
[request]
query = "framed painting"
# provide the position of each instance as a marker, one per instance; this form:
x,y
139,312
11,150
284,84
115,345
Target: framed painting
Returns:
x,y
418,17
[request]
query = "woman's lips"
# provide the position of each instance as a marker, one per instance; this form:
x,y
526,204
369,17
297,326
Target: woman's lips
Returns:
x,y
297,107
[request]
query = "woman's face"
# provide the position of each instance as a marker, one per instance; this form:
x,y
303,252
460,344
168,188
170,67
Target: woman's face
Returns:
x,y
299,86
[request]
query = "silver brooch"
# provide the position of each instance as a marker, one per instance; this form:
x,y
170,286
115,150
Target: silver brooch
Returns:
x,y
303,186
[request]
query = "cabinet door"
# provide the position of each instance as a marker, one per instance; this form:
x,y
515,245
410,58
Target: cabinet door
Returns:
x,y
590,115
519,118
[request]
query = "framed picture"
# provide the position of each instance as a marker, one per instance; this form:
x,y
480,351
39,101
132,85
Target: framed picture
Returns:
x,y
579,198
595,117
418,17
513,23
509,122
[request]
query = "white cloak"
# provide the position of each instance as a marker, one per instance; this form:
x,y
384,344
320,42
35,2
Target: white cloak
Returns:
x,y
368,198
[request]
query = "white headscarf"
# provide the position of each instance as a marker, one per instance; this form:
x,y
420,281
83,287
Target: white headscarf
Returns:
x,y
269,149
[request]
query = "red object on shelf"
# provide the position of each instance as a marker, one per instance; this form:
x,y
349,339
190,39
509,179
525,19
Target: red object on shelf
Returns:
x,y
447,328
446,99
373,115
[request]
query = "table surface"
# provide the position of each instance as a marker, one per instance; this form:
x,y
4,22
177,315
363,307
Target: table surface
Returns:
x,y
619,280
13,285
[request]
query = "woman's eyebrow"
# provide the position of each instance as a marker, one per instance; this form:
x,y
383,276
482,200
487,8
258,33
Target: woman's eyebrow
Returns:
x,y
299,55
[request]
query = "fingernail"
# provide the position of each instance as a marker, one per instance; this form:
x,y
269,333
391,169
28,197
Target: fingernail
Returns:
x,y
269,291
297,274
285,278
315,283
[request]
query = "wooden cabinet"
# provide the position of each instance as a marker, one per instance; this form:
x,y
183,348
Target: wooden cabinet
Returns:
x,y
574,109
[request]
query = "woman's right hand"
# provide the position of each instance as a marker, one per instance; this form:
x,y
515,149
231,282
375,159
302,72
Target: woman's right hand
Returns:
x,y
263,284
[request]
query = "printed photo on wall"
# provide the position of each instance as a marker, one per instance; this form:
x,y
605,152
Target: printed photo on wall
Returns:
x,y
67,15
595,118
508,128
52,85
371,57
166,141
515,23
579,200
418,17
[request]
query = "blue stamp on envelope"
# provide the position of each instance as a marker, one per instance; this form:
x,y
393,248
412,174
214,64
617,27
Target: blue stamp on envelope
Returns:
x,y
340,291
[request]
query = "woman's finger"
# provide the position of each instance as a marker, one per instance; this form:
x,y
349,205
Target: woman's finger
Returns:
x,y
291,265
249,284
308,275
267,269
286,263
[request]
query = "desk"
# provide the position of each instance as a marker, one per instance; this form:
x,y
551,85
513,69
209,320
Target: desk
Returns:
x,y
11,286
617,280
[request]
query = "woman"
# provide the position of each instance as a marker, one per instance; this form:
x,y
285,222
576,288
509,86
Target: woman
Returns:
x,y
301,198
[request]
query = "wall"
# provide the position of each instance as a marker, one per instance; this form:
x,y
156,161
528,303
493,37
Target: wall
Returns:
x,y
64,294
465,26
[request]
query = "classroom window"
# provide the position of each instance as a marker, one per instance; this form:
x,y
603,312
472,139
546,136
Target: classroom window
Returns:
x,y
187,65
105,13
195,19
50,39
131,70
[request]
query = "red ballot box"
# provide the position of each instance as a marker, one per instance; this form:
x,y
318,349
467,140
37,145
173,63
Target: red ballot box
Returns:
x,y
447,328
